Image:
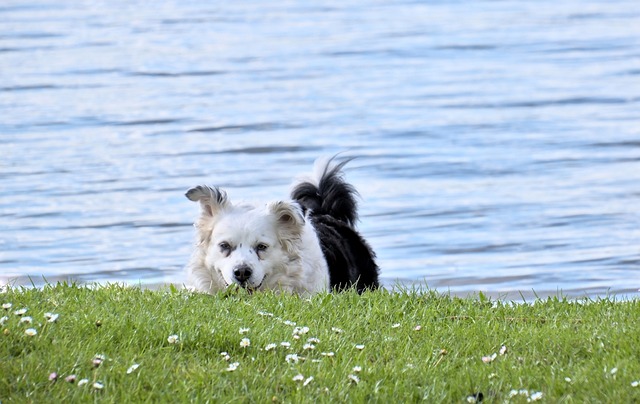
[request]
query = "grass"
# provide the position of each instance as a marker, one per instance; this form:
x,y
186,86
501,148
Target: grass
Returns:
x,y
383,346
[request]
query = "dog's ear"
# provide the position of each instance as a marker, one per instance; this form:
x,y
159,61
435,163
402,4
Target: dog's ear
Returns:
x,y
212,200
290,222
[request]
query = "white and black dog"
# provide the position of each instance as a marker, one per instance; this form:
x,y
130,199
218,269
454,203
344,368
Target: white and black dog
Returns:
x,y
306,245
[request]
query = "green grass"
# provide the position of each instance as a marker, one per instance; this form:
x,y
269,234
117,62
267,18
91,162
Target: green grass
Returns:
x,y
570,351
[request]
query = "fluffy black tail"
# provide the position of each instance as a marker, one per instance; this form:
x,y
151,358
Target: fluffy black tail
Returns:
x,y
327,193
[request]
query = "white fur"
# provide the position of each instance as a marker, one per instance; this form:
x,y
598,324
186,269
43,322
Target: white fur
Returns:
x,y
292,260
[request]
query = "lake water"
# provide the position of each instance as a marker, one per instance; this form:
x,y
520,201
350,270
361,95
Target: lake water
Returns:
x,y
497,142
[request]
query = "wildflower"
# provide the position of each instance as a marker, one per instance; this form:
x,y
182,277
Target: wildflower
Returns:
x,y
535,396
132,368
307,380
396,325
292,358
300,330
233,366
298,378
70,379
97,360
287,322
20,312
513,393
418,328
245,342
6,306
98,386
493,376
309,347
357,369
567,379
51,317
359,346
264,313
270,347
329,354
313,340
490,358
635,383
614,371
226,356
31,332
3,319
503,350
244,330
26,319
173,339
53,377
82,382
337,330
285,344
354,379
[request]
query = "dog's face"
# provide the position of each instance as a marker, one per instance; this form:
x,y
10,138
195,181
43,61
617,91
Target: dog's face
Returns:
x,y
246,245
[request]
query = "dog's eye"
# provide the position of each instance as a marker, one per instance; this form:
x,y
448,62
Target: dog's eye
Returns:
x,y
261,247
224,246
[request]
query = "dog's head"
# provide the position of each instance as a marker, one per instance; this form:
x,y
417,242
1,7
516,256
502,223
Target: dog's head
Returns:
x,y
246,244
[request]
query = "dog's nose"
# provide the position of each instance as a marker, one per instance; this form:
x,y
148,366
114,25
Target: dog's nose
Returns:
x,y
242,273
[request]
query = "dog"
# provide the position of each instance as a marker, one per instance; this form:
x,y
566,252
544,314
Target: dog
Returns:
x,y
305,245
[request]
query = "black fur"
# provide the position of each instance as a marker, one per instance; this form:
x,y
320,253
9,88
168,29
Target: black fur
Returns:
x,y
332,208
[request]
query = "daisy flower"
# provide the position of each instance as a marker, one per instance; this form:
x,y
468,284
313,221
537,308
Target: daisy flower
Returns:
x,y
337,330
26,319
300,330
31,332
6,306
270,347
357,369
244,330
490,358
285,344
417,328
307,380
354,379
98,386
3,319
329,354
233,366
51,317
287,322
313,340
20,312
396,325
82,382
309,347
132,368
53,377
292,358
70,379
359,346
535,396
245,342
97,360
635,383
173,339
298,378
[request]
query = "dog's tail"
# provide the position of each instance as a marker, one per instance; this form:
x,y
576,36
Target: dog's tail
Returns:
x,y
327,193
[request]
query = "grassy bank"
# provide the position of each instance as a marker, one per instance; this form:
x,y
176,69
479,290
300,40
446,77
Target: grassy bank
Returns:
x,y
174,346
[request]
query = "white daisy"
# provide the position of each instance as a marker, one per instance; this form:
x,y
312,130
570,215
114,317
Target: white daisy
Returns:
x,y
292,358
270,347
307,380
309,347
359,346
233,366
329,354
357,369
3,319
337,330
535,396
31,332
26,319
298,378
82,382
98,386
245,342
51,317
244,330
285,344
173,339
20,312
6,306
132,368
354,379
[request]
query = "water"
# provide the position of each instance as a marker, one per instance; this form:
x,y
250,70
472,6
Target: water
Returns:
x,y
497,143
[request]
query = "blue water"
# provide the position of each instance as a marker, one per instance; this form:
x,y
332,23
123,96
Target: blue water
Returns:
x,y
497,143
